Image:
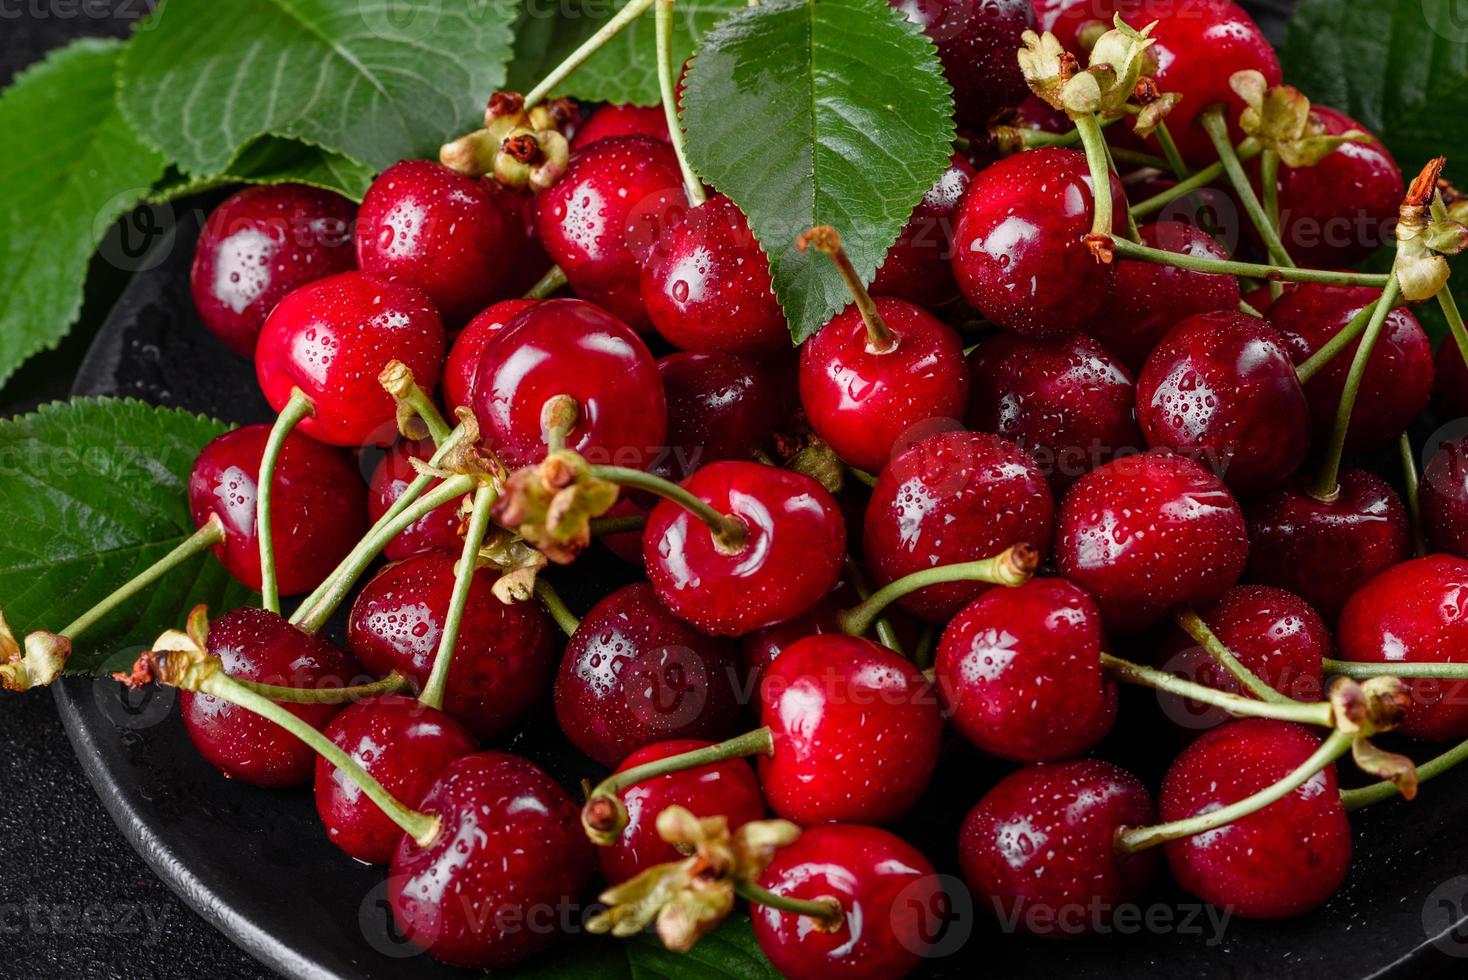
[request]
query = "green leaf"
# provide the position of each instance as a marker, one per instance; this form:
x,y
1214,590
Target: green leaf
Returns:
x,y
808,112
375,82
272,160
94,491
728,952
71,167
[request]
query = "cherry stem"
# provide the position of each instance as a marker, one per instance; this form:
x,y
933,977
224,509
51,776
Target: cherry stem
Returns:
x,y
1362,670
1318,713
1248,270
297,407
556,606
1132,231
1012,567
826,911
419,401
1355,799
1269,179
827,241
589,47
1093,141
1445,297
729,532
1217,128
886,635
1140,838
393,683
603,526
862,476
1170,151
1248,310
438,678
557,418
551,283
927,646
1245,151
1192,624
1411,483
663,15
1333,347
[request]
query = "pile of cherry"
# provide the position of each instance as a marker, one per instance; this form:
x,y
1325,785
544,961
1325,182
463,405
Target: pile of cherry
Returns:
x,y
1043,444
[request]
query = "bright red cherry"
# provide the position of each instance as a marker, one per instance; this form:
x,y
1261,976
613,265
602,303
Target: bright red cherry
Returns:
x,y
1146,533
462,364
332,338
261,244
1444,495
720,406
621,120
1450,376
435,531
976,41
401,743
759,649
916,267
1277,862
317,507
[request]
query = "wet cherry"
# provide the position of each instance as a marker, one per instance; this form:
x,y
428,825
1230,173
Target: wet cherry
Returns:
x,y
462,364
1444,496
720,406
976,43
438,530
1450,377
916,267
621,120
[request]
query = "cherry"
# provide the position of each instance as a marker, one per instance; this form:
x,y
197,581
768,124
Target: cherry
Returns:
x,y
976,43
599,221
503,660
1450,394
720,406
916,267
260,646
317,508
462,364
332,338
621,120
1019,249
1146,533
1277,862
1019,671
793,549
1070,402
1398,380
401,743
570,347
759,649
507,868
1414,613
953,497
1324,550
261,244
728,789
633,674
886,889
1444,496
438,530
1040,846
1221,388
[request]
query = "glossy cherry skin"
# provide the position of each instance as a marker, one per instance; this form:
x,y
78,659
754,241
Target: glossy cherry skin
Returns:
x,y
868,403
728,789
633,674
886,889
720,406
1147,299
1070,402
1323,551
1221,389
600,220
1444,495
332,338
1018,249
1278,862
260,646
1415,613
794,549
1146,533
1398,380
570,347
401,743
707,284
1450,378
1019,672
259,245
953,497
506,872
916,267
462,364
621,120
1040,846
503,661
976,41
437,530
317,507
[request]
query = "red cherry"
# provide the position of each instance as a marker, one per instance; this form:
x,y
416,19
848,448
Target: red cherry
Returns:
x,y
1144,534
759,649
916,267
720,406
317,508
1450,374
435,531
953,497
504,657
1277,862
506,871
256,645
332,338
976,43
401,743
261,244
1040,847
460,367
621,120
1444,496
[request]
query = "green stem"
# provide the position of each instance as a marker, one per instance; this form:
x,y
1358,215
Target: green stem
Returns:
x,y
1269,179
1355,799
1011,567
1333,347
728,531
1246,151
438,678
1223,267
1318,713
1133,232
825,910
1170,152
1217,128
603,526
297,407
1411,483
550,284
1361,670
589,47
556,606
862,476
393,683
1094,143
558,417
664,19
886,635
1138,159
418,400
827,241
1192,624
1445,297
922,656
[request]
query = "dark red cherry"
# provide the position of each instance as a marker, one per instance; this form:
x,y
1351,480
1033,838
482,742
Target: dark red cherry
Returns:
x,y
1019,671
1444,495
976,41
759,649
1415,613
507,870
435,531
916,267
600,220
720,406
1450,377
462,364
570,347
1221,389
332,338
953,497
256,645
727,789
503,661
886,889
621,120
1398,379
317,507
1278,862
1323,551
856,731
1018,248
259,245
1070,402
792,555
401,743
1146,533
1040,846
